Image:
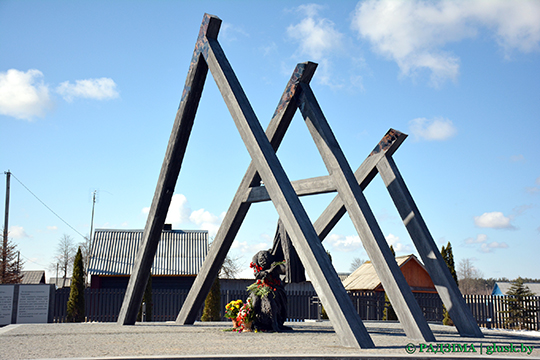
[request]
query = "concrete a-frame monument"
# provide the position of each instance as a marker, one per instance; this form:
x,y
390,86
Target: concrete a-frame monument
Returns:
x,y
306,236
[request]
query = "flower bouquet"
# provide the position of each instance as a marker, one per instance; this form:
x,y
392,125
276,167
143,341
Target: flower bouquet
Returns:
x,y
267,285
231,311
263,288
245,316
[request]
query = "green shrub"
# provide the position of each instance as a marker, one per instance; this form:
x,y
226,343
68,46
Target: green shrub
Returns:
x,y
212,303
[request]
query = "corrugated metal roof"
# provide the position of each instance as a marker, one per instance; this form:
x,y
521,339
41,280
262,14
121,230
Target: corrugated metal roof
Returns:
x,y
59,282
365,277
33,277
179,252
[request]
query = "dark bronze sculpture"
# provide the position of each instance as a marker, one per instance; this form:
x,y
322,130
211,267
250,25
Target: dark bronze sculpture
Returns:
x,y
268,293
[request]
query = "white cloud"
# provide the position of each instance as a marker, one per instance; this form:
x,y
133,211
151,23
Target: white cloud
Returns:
x,y
230,32
207,221
317,37
519,210
52,228
488,247
23,95
180,214
99,89
251,249
344,243
17,232
517,158
179,211
534,189
432,129
269,49
494,220
414,33
396,244
480,238
319,40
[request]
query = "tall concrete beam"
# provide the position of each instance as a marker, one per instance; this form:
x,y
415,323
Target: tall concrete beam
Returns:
x,y
447,288
168,176
338,305
407,309
238,209
365,173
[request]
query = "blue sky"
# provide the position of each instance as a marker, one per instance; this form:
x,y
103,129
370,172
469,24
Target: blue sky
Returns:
x,y
89,92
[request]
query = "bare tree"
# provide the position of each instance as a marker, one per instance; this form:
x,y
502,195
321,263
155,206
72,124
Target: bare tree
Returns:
x,y
470,279
230,267
466,270
356,263
85,248
65,255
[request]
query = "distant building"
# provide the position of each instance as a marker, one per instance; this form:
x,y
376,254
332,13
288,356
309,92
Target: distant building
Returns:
x,y
365,278
501,288
179,257
33,277
59,282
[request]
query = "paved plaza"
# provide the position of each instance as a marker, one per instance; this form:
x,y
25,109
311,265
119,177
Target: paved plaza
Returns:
x,y
309,340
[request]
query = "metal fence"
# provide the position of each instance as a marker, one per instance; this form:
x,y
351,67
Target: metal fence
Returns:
x,y
104,305
490,311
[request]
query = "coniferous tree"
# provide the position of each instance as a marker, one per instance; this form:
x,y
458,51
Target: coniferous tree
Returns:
x,y
389,313
448,257
212,303
75,305
521,311
10,268
450,262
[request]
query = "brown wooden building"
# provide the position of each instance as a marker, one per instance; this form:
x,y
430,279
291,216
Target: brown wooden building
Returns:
x,y
365,278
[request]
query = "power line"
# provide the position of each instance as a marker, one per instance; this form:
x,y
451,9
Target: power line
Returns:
x,y
51,210
32,261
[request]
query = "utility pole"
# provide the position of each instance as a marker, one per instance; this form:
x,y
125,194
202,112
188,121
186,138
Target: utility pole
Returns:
x,y
90,242
5,242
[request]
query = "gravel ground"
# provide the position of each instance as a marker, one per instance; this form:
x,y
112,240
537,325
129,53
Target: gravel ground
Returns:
x,y
208,340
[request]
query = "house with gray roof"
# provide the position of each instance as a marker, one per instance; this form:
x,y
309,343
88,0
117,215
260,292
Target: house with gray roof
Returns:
x,y
502,287
60,282
179,257
33,277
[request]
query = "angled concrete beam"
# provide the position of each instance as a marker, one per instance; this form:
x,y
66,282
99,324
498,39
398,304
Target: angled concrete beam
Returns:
x,y
238,209
407,309
338,305
447,288
366,172
312,186
168,175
